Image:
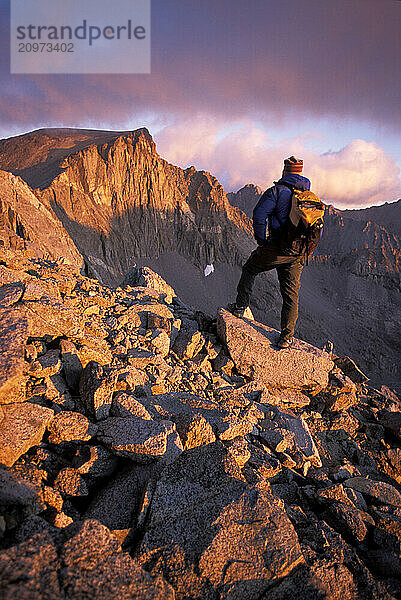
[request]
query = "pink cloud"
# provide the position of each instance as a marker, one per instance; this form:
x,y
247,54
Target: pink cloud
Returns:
x,y
360,174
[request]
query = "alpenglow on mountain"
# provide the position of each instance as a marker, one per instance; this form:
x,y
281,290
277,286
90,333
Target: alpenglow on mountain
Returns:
x,y
153,445
123,205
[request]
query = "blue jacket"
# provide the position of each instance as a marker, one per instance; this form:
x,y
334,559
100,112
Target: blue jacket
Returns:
x,y
274,206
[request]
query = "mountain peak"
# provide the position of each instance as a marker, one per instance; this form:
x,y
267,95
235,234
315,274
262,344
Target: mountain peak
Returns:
x,y
246,198
250,187
121,203
38,156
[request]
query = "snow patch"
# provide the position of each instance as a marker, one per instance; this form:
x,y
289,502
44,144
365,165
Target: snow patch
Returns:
x,y
209,269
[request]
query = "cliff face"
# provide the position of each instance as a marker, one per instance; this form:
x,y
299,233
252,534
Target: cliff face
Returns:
x,y
27,224
38,156
122,204
362,247
356,274
120,201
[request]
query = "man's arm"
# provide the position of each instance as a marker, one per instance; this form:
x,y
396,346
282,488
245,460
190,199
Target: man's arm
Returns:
x,y
264,208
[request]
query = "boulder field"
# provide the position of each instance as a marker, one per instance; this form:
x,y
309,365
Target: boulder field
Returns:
x,y
150,451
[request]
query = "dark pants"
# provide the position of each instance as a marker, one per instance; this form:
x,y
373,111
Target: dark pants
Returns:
x,y
289,269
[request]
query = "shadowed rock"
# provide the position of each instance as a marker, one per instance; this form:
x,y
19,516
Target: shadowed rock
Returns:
x,y
391,421
349,368
95,567
284,432
72,365
118,504
387,533
29,571
232,538
17,496
96,389
91,565
349,521
95,461
33,525
47,365
376,491
139,439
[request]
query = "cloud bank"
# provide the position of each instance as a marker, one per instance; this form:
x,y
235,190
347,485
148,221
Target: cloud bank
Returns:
x,y
358,175
268,59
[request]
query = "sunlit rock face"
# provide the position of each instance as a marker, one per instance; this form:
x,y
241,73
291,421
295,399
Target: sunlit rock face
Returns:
x,y
28,225
107,200
120,201
252,347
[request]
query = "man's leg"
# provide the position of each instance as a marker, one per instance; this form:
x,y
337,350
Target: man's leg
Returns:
x,y
289,276
259,261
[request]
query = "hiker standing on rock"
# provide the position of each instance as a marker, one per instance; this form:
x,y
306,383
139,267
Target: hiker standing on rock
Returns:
x,y
287,225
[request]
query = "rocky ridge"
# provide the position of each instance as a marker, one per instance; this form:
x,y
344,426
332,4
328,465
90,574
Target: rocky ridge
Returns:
x,y
387,215
149,451
27,225
120,201
112,196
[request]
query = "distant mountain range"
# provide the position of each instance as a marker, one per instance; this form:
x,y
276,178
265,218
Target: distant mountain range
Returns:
x,y
387,215
109,201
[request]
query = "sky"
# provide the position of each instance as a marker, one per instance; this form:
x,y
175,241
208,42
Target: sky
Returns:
x,y
235,87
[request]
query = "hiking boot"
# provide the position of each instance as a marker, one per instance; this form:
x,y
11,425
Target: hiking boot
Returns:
x,y
284,342
237,311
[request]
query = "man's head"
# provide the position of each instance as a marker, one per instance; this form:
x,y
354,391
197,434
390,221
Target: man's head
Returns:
x,y
293,165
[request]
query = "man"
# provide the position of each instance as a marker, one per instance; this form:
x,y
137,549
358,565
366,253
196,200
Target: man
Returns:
x,y
269,214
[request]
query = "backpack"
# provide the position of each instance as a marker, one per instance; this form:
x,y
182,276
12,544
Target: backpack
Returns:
x,y
301,233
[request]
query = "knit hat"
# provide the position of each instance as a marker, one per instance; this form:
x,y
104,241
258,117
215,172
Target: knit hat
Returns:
x,y
293,165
